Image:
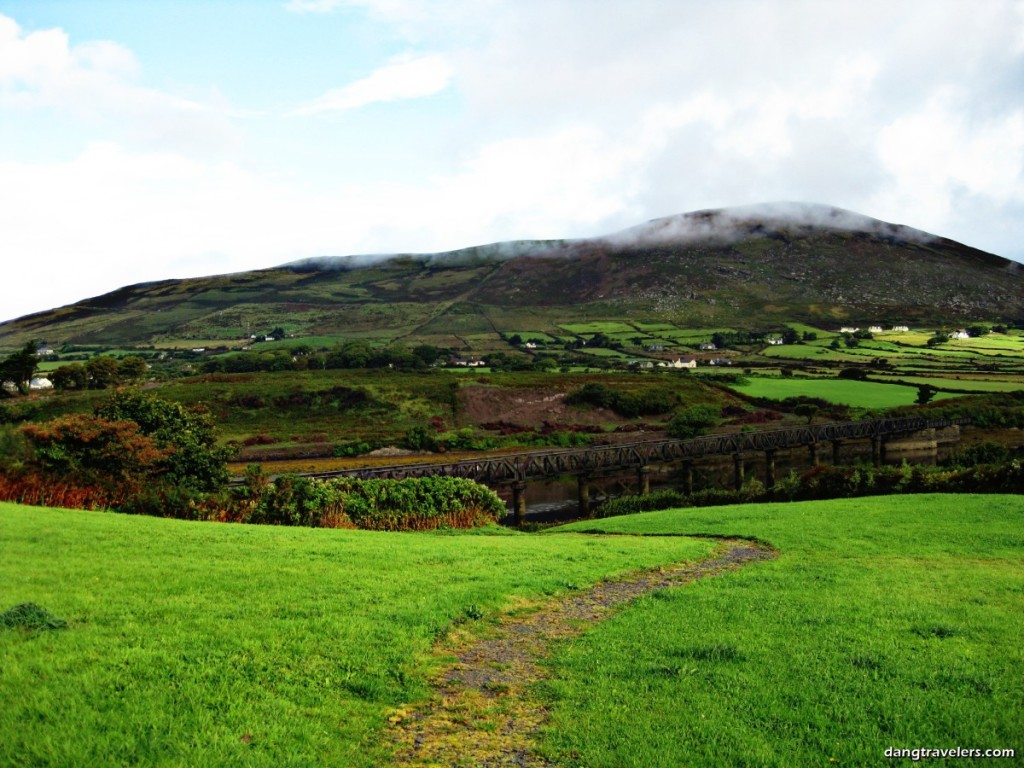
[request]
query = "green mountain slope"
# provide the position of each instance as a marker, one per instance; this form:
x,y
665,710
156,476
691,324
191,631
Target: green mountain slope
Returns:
x,y
747,267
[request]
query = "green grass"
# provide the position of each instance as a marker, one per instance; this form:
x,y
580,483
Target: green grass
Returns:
x,y
205,644
863,394
606,327
968,384
888,621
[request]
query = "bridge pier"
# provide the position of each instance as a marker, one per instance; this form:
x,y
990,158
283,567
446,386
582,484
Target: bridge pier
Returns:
x,y
737,466
836,446
769,468
583,494
519,502
878,450
643,480
815,454
687,477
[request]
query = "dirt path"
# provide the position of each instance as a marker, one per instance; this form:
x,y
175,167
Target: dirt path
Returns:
x,y
481,713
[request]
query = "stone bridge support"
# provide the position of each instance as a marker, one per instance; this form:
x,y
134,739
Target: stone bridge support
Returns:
x,y
643,480
519,501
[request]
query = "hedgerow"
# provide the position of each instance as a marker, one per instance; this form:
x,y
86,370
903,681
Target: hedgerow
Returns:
x,y
412,504
835,482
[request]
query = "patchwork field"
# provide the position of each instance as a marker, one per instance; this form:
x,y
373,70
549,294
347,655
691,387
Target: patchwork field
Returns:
x,y
890,621
862,394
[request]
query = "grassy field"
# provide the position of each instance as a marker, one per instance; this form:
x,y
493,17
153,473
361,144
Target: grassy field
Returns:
x,y
863,394
885,622
204,644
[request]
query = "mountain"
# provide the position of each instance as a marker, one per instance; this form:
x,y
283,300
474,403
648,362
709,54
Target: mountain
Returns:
x,y
750,267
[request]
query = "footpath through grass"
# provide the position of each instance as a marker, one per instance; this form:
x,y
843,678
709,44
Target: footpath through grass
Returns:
x,y
884,622
204,644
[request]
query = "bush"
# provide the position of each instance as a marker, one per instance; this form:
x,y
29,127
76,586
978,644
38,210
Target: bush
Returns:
x,y
390,505
693,421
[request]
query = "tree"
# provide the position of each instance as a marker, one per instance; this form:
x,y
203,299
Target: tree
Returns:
x,y
789,336
806,410
71,376
19,367
195,460
925,393
131,368
103,372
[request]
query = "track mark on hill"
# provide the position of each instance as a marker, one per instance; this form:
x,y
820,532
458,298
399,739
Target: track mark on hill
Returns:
x,y
481,713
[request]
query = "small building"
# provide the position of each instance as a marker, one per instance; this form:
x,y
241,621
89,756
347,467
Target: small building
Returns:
x,y
655,347
641,364
959,334
901,328
530,345
875,329
848,329
774,340
43,351
707,347
679,363
463,362
40,383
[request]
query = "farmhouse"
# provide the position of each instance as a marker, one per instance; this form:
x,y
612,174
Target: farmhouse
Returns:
x,y
848,329
679,363
774,340
875,329
960,334
462,362
40,383
901,328
708,347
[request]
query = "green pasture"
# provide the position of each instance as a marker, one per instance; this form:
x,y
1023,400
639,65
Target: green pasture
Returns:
x,y
863,394
884,622
533,336
804,328
969,384
204,644
606,328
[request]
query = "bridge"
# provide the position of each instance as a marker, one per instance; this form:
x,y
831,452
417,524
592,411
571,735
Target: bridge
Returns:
x,y
517,470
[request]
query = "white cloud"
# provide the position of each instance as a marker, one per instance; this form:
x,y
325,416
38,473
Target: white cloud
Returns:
x,y
574,118
95,82
405,77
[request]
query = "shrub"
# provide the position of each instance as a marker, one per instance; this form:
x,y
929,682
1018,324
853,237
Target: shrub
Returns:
x,y
392,505
693,421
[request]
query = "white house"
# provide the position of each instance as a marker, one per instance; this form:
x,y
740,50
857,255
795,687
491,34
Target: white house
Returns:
x,y
679,363
901,328
708,347
959,334
40,383
774,340
875,329
848,329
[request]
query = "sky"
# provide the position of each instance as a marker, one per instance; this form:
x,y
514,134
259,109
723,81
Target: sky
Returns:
x,y
151,140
